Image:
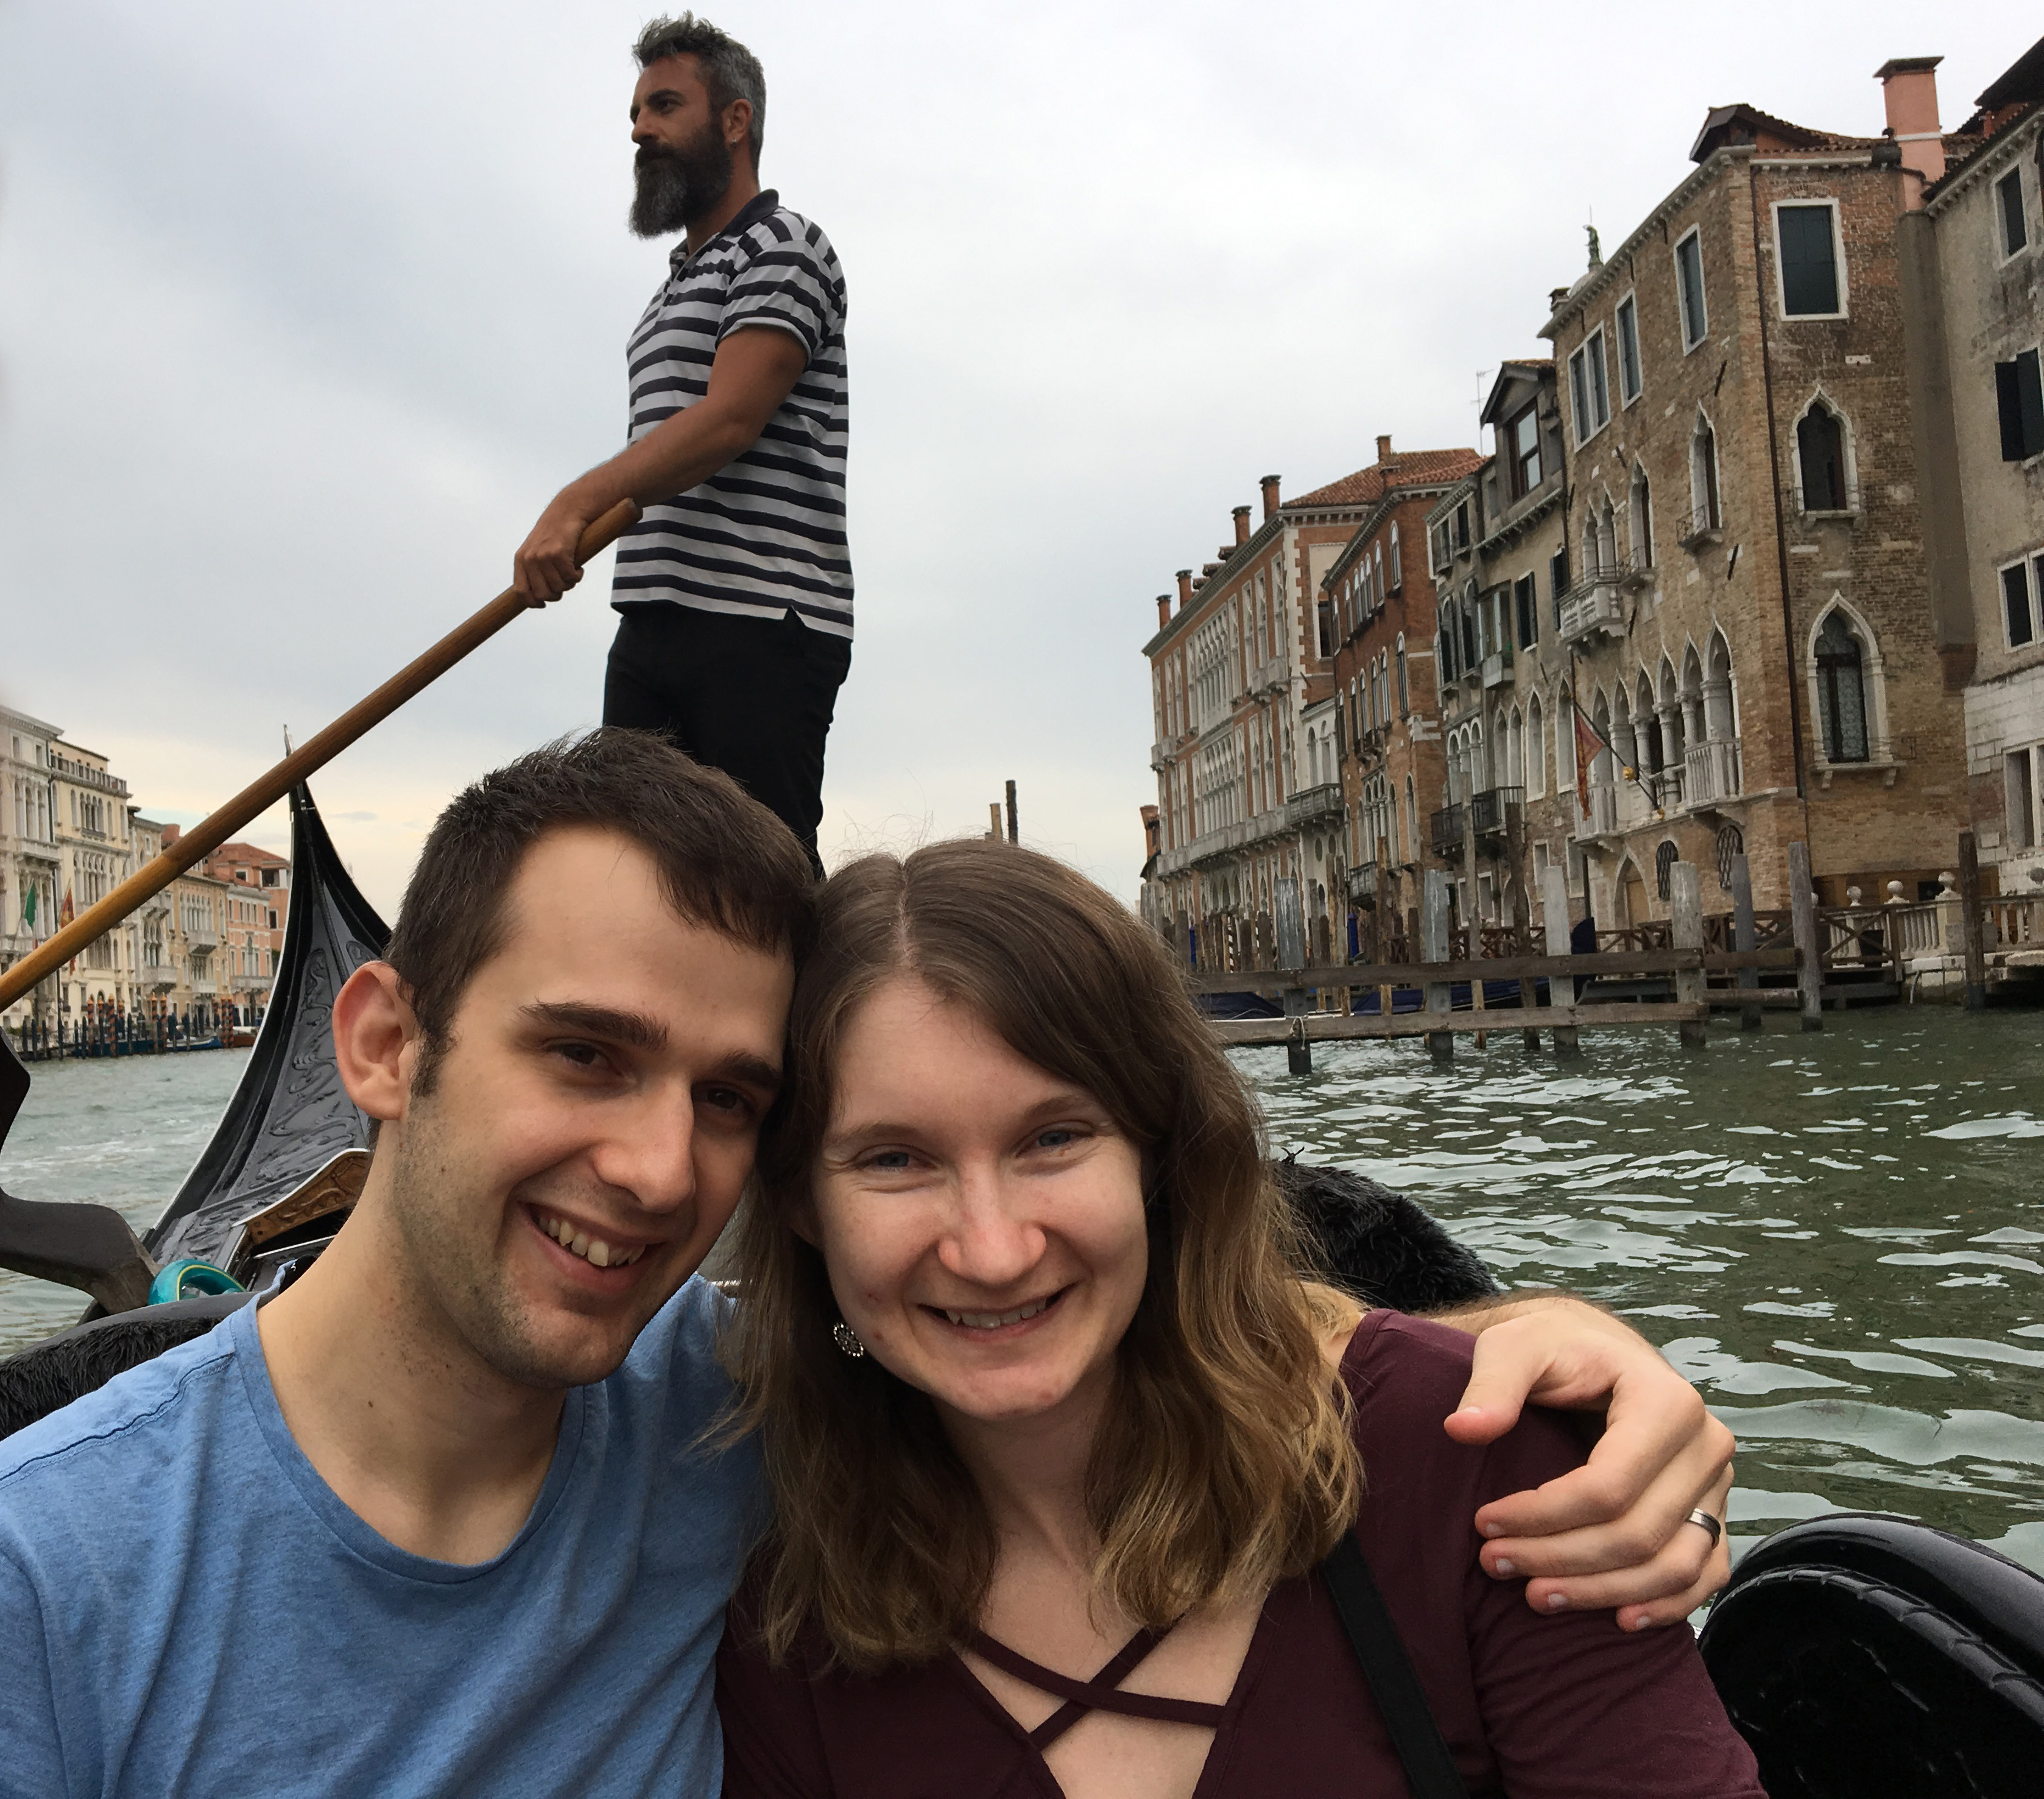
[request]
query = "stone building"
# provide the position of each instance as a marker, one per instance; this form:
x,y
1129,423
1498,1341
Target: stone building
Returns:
x,y
1249,791
95,840
31,870
1495,542
1380,592
257,900
1980,237
1751,623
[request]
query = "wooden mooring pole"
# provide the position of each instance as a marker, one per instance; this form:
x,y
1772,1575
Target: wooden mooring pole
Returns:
x,y
1744,937
1561,988
1434,947
1292,955
1803,916
1685,917
1972,937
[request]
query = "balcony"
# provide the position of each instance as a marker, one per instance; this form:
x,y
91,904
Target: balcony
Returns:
x,y
1312,804
202,941
1447,829
1497,668
1593,606
204,986
1702,527
1801,500
1363,882
249,983
1637,571
1486,810
1602,820
157,975
1267,678
1712,772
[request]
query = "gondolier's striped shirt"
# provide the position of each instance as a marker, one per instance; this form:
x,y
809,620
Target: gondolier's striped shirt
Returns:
x,y
765,533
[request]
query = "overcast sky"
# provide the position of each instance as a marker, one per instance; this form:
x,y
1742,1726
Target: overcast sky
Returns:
x,y
305,312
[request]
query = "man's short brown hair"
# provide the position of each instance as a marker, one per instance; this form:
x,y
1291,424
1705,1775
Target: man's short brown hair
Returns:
x,y
725,861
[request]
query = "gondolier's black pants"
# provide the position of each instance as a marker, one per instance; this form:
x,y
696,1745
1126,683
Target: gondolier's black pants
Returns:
x,y
752,696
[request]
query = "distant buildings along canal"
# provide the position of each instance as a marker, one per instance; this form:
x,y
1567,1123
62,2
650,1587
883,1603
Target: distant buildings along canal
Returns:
x,y
1761,540
204,950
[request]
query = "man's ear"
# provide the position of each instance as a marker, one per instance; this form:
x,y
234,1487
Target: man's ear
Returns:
x,y
737,124
375,1040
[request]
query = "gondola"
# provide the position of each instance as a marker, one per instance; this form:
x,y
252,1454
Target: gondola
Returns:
x,y
1864,1657
270,1189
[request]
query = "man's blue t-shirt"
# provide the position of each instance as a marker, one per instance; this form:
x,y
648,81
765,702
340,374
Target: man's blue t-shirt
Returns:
x,y
186,1608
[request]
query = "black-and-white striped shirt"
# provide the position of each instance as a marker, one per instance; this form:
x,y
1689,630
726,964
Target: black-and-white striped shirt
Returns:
x,y
766,532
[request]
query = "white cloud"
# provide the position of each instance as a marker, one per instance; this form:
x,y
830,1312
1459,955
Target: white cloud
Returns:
x,y
304,312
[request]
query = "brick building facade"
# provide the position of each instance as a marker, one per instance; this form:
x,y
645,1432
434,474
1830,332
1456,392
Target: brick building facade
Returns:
x,y
1380,594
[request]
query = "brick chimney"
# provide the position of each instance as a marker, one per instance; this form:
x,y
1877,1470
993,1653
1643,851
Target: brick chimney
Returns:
x,y
1269,485
1185,588
1242,525
1164,610
1383,447
1909,86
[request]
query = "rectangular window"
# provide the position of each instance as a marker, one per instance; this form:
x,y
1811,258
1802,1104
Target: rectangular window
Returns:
x,y
1629,382
1558,581
2020,395
2015,605
1689,290
1397,561
2008,204
1528,611
1589,389
1462,526
1522,437
1806,241
2022,801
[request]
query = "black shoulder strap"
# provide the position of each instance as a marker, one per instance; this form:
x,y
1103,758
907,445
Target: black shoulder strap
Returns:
x,y
1429,1770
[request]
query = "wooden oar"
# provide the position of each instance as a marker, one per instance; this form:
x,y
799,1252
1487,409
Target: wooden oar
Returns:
x,y
259,795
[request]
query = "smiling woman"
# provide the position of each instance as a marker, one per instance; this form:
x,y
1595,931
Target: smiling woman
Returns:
x,y
1060,1442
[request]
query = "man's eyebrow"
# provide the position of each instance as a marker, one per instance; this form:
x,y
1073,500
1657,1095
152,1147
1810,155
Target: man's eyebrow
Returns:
x,y
658,93
633,1028
748,1070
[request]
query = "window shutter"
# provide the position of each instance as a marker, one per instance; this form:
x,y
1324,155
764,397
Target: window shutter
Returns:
x,y
2030,396
2010,404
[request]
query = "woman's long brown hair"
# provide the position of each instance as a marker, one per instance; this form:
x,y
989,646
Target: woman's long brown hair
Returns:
x,y
1225,1463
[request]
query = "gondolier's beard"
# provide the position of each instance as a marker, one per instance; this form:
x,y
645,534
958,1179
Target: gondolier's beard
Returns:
x,y
675,186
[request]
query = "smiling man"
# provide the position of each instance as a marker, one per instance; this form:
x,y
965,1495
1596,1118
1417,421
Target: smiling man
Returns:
x,y
735,586
436,1518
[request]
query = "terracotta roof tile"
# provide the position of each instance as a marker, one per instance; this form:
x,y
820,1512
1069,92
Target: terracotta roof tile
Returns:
x,y
1367,486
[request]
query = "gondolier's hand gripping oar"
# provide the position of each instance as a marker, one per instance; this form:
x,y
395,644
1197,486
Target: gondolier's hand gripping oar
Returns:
x,y
259,795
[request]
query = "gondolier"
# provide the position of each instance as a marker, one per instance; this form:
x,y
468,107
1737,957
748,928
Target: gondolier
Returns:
x,y
733,589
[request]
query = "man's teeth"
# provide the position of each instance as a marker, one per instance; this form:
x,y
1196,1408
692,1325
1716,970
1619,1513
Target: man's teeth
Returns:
x,y
993,1321
592,1250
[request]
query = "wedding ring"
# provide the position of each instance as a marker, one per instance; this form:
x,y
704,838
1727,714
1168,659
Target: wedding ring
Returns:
x,y
1701,1517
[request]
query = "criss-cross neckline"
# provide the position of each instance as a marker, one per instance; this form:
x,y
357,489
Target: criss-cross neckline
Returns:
x,y
1102,1693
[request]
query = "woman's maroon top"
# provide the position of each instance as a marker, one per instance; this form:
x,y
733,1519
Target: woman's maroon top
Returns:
x,y
1570,1707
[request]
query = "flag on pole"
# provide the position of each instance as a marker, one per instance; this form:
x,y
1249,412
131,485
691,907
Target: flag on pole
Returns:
x,y
29,907
1589,745
64,914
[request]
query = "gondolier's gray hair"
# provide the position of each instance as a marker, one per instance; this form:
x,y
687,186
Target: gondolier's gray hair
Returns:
x,y
729,71
725,861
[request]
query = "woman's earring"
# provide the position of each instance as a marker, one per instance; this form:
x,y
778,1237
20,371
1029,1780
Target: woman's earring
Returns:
x,y
847,1338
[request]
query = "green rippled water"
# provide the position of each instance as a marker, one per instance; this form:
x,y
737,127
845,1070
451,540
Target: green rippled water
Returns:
x,y
1839,1236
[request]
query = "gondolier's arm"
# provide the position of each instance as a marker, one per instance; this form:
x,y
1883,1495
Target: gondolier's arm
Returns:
x,y
755,369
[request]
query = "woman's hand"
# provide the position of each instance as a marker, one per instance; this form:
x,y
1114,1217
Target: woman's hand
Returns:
x,y
1615,1532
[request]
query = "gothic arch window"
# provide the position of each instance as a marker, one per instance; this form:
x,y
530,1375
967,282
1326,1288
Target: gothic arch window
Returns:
x,y
1640,520
1730,846
1405,693
1536,749
1842,707
1664,861
1821,482
1704,512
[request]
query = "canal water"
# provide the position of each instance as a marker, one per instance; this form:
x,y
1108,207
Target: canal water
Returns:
x,y
1839,1236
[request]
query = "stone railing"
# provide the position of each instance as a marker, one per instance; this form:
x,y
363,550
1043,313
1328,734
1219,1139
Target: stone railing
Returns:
x,y
1710,771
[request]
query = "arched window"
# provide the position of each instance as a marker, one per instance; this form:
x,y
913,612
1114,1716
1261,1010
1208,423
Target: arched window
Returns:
x,y
1536,749
1820,456
1472,657
1398,561
1841,691
1642,521
1703,478
1607,538
1664,860
1405,693
1730,845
